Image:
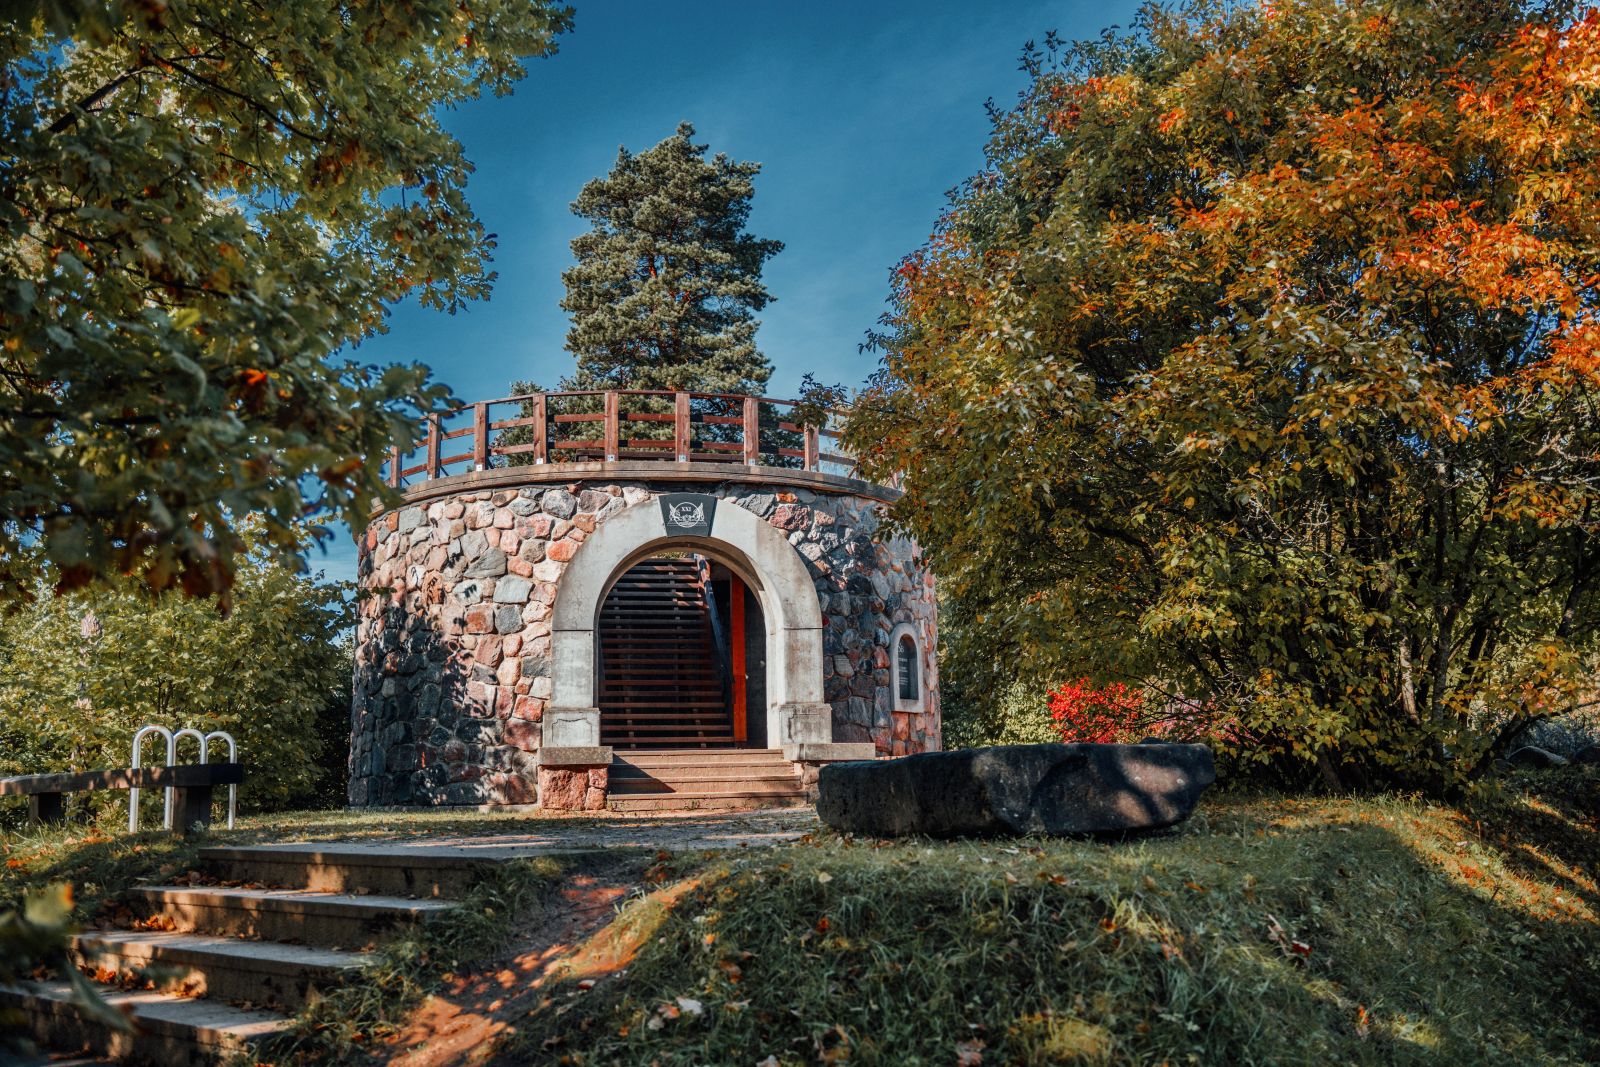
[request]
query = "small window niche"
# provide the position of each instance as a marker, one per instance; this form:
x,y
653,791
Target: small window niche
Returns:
x,y
906,654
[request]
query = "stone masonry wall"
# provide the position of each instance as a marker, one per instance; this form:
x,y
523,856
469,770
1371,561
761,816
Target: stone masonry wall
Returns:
x,y
452,672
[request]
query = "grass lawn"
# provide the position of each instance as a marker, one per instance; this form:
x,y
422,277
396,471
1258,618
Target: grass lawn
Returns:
x,y
1266,930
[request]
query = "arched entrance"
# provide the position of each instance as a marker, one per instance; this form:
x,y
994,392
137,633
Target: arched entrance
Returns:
x,y
682,656
732,537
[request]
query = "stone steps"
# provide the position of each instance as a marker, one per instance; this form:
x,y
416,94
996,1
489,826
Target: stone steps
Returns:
x,y
727,780
729,801
264,973
702,784
733,757
169,1030
224,965
334,919
396,873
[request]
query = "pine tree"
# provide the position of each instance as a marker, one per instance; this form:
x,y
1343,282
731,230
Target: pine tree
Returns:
x,y
667,283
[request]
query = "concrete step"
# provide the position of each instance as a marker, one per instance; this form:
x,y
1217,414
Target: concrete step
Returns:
x,y
400,873
736,757
259,973
771,786
702,802
169,1031
715,772
334,920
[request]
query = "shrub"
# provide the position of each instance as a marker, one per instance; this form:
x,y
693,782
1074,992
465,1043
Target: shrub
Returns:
x,y
80,673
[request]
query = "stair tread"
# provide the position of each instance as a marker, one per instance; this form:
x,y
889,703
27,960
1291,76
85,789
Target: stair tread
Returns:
x,y
211,1022
731,794
288,899
726,757
679,802
170,944
688,742
776,778
636,791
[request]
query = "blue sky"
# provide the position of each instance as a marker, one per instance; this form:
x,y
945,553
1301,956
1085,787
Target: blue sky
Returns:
x,y
862,114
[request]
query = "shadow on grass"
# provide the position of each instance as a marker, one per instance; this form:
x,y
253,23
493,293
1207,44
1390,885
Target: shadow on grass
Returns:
x,y
1297,932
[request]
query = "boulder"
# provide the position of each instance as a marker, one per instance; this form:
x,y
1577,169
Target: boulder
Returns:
x,y
1534,756
1587,754
1017,789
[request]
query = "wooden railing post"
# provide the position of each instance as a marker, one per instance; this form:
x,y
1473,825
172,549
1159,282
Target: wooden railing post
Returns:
x,y
433,446
612,429
680,426
813,445
541,436
752,431
394,467
480,436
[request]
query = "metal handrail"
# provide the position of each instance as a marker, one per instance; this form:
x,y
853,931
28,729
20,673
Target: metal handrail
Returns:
x,y
233,757
133,794
172,758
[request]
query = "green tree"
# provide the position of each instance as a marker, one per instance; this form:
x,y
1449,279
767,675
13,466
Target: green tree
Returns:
x,y
667,282
1262,359
665,288
80,673
201,206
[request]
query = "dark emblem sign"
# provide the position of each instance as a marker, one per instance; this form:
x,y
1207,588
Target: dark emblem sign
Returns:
x,y
688,513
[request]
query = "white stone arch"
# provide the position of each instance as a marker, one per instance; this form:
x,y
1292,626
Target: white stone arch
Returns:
x,y
766,562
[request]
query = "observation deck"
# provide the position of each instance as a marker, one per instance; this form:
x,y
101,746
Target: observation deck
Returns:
x,y
625,434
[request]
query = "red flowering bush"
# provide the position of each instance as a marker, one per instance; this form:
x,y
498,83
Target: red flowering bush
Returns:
x,y
1098,716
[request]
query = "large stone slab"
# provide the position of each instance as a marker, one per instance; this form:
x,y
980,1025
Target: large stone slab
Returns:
x,y
1017,789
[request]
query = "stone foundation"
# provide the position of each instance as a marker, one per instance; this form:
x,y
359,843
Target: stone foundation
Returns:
x,y
573,788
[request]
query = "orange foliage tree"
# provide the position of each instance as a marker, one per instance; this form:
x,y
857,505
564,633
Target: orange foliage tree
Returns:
x,y
1263,358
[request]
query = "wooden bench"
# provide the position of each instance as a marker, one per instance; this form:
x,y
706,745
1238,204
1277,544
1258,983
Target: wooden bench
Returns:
x,y
191,783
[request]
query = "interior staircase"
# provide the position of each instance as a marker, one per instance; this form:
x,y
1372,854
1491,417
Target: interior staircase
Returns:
x,y
732,779
661,675
205,971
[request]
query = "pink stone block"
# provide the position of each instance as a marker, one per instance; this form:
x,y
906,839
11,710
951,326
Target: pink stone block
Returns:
x,y
480,619
490,651
562,789
791,517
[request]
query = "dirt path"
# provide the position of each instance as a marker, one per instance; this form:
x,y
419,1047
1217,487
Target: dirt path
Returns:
x,y
584,936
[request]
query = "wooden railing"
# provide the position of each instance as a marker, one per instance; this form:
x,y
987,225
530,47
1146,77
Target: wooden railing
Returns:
x,y
621,424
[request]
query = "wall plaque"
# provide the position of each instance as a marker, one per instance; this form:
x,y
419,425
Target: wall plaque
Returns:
x,y
688,513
